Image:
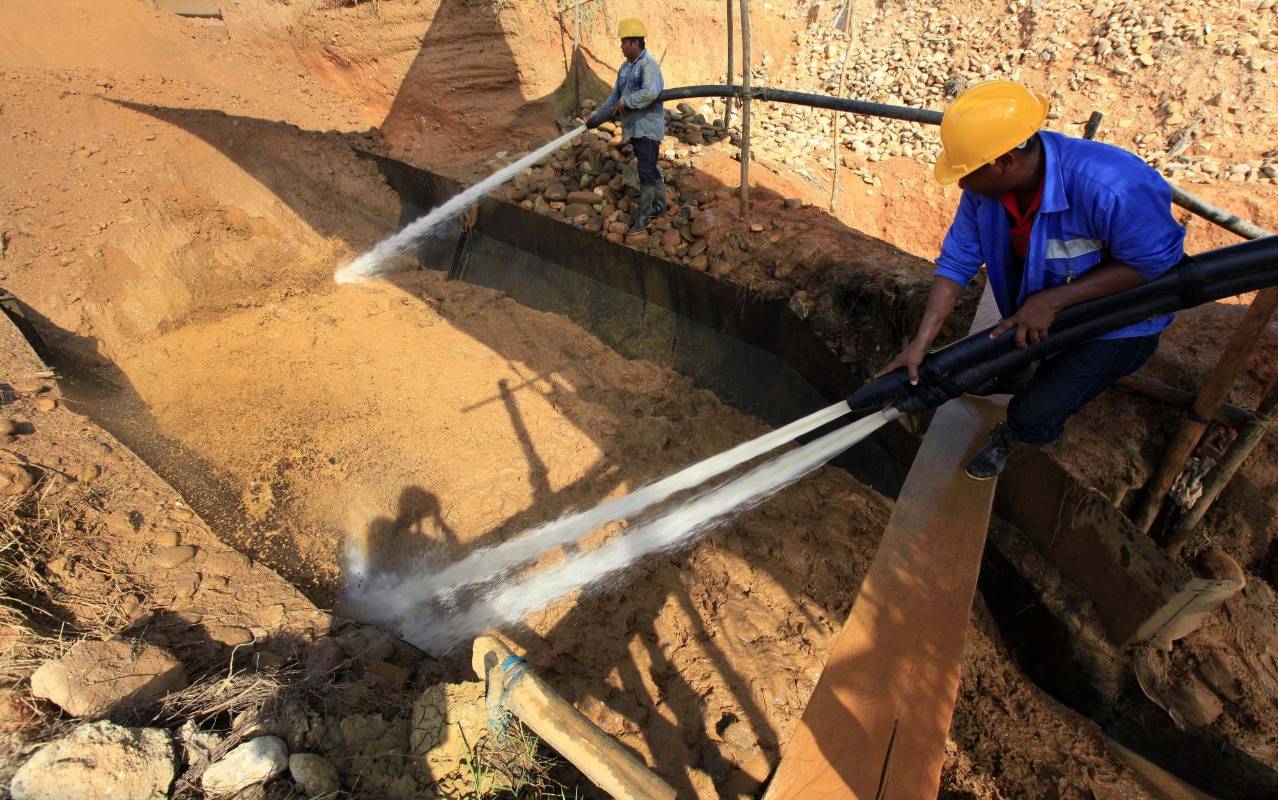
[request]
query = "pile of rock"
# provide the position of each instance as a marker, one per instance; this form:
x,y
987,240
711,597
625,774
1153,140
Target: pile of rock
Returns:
x,y
593,185
1129,57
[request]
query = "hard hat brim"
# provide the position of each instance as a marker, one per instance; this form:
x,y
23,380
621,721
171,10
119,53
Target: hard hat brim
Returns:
x,y
947,173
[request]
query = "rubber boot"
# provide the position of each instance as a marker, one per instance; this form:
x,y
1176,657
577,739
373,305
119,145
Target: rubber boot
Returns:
x,y
989,462
647,205
659,207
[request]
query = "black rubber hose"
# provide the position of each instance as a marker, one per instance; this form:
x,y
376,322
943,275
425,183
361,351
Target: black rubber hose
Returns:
x,y
922,115
972,362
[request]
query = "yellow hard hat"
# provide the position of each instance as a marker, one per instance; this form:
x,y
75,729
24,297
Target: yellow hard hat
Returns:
x,y
983,123
631,28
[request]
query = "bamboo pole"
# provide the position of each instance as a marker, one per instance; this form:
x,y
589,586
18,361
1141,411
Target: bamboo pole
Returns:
x,y
745,109
1236,354
1246,441
513,687
727,103
1228,413
838,92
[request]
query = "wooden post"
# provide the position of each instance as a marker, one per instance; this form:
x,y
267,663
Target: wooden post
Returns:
x,y
745,109
1219,478
514,688
1236,355
727,103
838,92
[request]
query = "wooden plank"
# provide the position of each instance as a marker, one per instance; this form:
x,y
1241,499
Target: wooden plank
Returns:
x,y
876,724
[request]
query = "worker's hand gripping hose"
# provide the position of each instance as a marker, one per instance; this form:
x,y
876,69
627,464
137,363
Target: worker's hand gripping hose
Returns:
x,y
970,364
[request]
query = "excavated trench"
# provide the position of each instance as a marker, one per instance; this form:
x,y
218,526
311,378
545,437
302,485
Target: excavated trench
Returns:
x,y
325,447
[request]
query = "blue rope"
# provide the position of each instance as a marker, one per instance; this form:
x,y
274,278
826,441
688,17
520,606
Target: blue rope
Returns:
x,y
513,669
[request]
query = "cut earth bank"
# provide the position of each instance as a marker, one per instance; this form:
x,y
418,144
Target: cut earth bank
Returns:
x,y
185,255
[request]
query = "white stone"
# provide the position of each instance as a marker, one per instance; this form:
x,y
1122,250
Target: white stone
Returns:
x,y
255,761
99,761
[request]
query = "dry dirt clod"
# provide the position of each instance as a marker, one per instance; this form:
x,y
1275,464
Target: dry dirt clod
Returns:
x,y
46,404
14,479
8,427
315,774
96,761
96,678
171,557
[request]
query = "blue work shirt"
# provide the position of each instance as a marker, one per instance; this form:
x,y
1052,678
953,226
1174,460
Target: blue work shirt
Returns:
x,y
638,84
1100,203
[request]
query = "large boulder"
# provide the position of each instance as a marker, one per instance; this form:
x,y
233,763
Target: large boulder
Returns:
x,y
99,678
255,761
99,761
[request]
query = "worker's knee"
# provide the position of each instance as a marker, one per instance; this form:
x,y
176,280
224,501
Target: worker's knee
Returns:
x,y
1070,380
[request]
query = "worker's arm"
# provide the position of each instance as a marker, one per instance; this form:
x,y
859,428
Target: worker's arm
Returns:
x,y
606,108
650,88
941,299
957,265
1036,315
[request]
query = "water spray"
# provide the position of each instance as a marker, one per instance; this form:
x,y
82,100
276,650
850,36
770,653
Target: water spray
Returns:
x,y
375,261
677,527
488,564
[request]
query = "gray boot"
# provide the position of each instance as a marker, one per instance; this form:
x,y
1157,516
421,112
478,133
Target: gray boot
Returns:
x,y
660,207
647,207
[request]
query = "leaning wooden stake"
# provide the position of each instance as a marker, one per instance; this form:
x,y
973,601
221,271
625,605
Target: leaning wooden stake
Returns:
x,y
727,103
1219,478
838,92
745,108
515,688
1241,346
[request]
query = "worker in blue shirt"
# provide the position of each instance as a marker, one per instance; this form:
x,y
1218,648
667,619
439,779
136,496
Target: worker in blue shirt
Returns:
x,y
643,120
1056,221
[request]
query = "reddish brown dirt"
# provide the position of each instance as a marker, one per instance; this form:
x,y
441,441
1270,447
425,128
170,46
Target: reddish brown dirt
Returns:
x,y
177,235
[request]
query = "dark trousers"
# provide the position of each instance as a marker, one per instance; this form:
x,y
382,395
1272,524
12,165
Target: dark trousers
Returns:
x,y
646,151
1070,380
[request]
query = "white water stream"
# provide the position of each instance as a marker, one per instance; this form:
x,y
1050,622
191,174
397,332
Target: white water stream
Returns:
x,y
410,605
375,260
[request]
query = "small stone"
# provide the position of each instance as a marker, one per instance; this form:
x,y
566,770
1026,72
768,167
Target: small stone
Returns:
x,y
182,514
88,474
46,404
226,562
230,635
756,227
700,227
185,588
393,676
699,262
256,761
95,678
323,656
119,525
14,479
793,203
98,761
588,198
171,557
556,192
315,774
8,427
166,538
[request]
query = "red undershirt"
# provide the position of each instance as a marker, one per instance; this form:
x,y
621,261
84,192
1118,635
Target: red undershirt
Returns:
x,y
1021,223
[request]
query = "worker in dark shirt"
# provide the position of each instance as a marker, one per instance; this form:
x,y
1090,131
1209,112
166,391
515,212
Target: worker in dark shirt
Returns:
x,y
1056,221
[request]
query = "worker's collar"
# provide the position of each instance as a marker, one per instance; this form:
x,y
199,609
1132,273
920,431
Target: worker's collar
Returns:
x,y
642,53
1053,198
